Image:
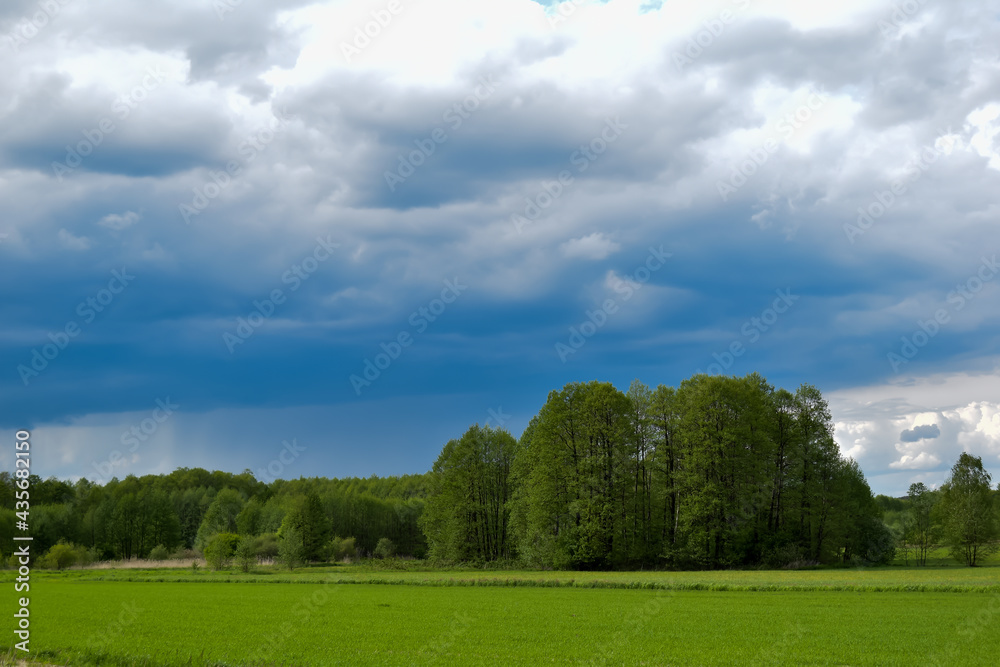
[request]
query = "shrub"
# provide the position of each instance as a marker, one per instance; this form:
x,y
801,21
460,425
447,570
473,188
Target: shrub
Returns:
x,y
340,548
385,548
266,546
220,550
61,556
159,552
183,553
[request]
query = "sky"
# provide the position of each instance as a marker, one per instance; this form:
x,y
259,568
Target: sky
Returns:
x,y
324,238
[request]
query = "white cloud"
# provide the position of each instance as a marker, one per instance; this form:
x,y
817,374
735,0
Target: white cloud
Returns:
x,y
964,408
118,222
593,246
71,242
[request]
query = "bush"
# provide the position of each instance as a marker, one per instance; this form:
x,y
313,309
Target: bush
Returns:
x,y
63,555
183,553
266,546
219,550
340,548
246,556
159,552
385,548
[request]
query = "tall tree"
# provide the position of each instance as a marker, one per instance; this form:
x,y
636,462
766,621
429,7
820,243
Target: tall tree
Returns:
x,y
921,531
967,513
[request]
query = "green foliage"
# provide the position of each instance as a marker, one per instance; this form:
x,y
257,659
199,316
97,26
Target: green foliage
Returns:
x,y
219,550
291,548
159,552
245,553
63,555
720,472
306,516
220,517
967,512
467,512
385,548
342,548
266,546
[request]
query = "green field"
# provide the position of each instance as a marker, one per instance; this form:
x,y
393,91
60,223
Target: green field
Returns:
x,y
94,617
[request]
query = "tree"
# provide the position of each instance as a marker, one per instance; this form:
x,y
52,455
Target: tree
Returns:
x,y
245,554
219,550
306,515
385,548
290,547
467,513
921,531
966,511
221,516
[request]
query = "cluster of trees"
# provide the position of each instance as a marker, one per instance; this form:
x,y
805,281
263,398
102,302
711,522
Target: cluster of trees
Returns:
x,y
962,515
719,472
182,512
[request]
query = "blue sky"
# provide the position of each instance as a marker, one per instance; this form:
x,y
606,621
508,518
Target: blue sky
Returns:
x,y
216,215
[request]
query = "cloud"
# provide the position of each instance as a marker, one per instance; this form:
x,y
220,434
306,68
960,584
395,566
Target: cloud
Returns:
x,y
593,246
927,432
118,222
71,242
881,102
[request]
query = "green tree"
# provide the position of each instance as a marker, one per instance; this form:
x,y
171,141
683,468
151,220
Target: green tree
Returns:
x,y
921,533
467,512
221,516
291,547
385,548
219,550
967,512
245,553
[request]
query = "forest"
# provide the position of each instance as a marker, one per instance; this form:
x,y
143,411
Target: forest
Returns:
x,y
720,472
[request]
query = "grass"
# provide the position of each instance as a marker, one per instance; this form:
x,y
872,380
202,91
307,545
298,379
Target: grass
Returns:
x,y
885,579
81,622
375,615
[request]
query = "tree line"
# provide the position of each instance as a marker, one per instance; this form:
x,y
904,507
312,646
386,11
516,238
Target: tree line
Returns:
x,y
718,472
180,513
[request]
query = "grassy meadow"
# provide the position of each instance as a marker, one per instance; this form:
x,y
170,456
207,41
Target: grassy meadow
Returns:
x,y
363,615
